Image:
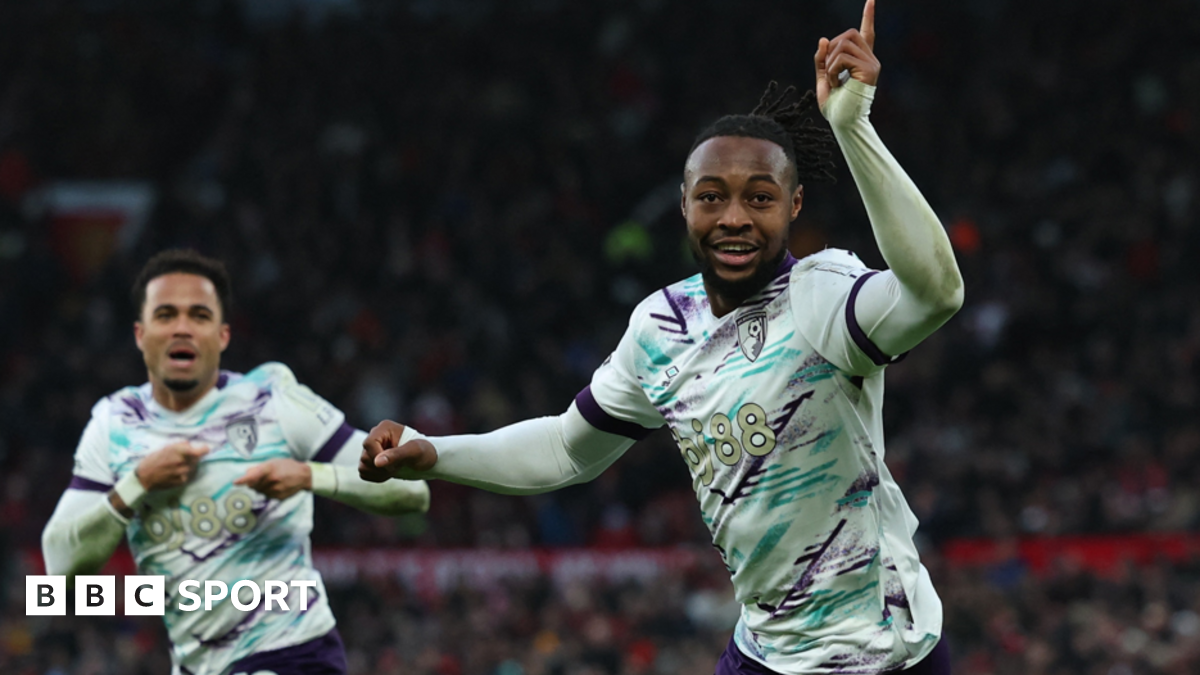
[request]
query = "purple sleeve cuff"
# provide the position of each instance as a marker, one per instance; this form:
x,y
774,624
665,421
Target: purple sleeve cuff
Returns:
x,y
334,444
597,417
81,483
858,334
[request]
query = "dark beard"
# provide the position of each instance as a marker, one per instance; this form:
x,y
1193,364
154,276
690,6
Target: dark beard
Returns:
x,y
738,292
181,385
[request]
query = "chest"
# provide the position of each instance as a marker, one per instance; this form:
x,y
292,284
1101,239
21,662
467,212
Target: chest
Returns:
x,y
742,390
239,431
754,355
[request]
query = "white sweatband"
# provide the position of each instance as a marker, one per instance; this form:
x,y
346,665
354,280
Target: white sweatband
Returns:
x,y
324,478
130,490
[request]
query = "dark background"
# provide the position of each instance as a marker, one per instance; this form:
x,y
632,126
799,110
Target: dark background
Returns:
x,y
443,212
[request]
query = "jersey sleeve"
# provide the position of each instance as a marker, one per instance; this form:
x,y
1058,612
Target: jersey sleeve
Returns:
x,y
826,290
614,402
315,430
92,470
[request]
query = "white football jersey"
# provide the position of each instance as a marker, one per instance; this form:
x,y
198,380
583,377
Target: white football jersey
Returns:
x,y
211,529
776,408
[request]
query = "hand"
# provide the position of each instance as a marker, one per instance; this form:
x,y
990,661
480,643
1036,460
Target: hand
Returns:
x,y
852,52
381,458
170,467
277,478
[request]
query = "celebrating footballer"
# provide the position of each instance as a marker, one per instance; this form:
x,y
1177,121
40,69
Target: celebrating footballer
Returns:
x,y
769,372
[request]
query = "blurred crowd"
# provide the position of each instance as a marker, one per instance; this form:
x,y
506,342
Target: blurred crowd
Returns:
x,y
443,213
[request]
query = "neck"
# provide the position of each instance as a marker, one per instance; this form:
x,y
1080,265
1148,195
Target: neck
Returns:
x,y
723,298
178,401
721,304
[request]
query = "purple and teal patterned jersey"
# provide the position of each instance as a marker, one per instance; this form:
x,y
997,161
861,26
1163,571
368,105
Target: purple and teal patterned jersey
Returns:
x,y
776,409
211,529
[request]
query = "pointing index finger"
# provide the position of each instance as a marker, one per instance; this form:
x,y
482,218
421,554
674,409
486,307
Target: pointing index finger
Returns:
x,y
868,23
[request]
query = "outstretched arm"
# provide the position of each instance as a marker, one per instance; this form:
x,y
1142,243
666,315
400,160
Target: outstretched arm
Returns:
x,y
529,457
923,287
338,480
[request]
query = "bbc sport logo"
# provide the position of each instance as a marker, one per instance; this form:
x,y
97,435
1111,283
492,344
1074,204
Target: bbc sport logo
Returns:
x,y
145,595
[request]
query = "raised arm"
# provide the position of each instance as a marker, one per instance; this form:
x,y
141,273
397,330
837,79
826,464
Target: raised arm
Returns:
x,y
529,457
922,288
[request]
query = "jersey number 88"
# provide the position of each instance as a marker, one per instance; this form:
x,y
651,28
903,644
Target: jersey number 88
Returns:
x,y
166,525
755,439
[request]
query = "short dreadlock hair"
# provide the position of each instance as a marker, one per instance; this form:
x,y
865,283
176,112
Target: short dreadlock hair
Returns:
x,y
186,261
809,148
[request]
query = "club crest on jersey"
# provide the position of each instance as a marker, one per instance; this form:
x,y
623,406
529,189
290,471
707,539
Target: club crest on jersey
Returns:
x,y
242,434
752,333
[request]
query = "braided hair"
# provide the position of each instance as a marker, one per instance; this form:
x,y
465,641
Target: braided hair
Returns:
x,y
809,148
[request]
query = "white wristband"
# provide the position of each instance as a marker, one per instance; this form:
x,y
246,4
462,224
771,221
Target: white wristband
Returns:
x,y
410,434
130,490
324,479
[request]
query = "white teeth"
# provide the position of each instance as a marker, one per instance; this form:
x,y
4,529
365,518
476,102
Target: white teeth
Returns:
x,y
735,248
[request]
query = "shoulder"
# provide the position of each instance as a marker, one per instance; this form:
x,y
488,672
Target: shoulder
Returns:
x,y
832,272
831,261
672,307
126,400
270,375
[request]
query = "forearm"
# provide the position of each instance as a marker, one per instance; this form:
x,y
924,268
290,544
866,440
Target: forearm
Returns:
x,y
529,457
82,534
910,237
391,498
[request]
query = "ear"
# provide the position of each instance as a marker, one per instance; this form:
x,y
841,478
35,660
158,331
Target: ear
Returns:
x,y
224,336
139,332
683,199
797,201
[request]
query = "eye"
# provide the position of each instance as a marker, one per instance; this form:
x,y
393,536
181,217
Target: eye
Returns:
x,y
762,198
709,197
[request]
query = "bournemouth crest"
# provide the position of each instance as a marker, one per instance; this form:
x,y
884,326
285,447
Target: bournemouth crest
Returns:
x,y
242,434
752,333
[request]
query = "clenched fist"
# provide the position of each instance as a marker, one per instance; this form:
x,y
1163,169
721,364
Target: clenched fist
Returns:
x,y
385,454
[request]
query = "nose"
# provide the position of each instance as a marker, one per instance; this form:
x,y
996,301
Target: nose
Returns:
x,y
182,327
735,216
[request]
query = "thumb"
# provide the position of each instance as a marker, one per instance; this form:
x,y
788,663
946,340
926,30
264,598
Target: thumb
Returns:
x,y
819,58
417,454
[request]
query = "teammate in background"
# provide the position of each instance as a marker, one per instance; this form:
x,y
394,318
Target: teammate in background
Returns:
x,y
210,475
769,373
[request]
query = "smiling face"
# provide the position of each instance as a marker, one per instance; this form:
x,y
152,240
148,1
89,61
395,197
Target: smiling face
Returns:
x,y
739,196
181,334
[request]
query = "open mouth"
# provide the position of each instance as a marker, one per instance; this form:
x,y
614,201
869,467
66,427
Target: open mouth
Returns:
x,y
734,253
181,357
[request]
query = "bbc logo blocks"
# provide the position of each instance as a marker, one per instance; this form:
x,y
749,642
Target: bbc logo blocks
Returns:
x,y
145,595
95,595
46,595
